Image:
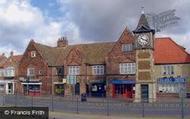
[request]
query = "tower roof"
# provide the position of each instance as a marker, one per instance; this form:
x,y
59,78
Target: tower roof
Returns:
x,y
143,25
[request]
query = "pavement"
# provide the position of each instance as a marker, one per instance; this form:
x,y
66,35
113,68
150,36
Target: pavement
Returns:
x,y
61,115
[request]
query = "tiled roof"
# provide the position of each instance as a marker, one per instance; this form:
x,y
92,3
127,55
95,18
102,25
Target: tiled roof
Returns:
x,y
168,52
93,53
17,58
2,60
49,54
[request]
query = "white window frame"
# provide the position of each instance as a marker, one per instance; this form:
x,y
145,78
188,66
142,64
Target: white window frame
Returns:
x,y
9,72
33,54
29,72
127,68
98,70
2,72
73,70
168,69
127,47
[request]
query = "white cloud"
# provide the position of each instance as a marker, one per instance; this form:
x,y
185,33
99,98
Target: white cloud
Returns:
x,y
20,22
106,19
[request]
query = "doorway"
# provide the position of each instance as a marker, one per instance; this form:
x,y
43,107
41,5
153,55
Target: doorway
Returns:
x,y
144,92
10,88
77,89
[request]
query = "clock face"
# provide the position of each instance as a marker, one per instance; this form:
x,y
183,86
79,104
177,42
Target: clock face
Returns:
x,y
143,40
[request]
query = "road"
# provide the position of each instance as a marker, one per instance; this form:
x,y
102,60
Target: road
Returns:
x,y
102,106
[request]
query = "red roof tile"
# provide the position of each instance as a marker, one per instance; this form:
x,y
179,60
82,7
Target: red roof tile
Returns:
x,y
168,52
17,58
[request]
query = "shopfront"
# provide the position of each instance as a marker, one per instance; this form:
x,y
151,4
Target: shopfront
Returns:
x,y
7,87
32,88
98,88
59,88
172,85
123,88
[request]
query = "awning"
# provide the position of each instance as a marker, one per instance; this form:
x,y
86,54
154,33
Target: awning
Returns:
x,y
31,83
118,81
58,83
171,80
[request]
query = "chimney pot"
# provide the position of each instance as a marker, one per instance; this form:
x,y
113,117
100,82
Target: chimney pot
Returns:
x,y
11,53
62,42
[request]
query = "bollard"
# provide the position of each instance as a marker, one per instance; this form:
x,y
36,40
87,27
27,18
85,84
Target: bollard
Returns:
x,y
143,113
52,104
107,109
182,108
77,105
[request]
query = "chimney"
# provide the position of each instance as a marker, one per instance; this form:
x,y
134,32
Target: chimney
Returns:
x,y
11,53
62,42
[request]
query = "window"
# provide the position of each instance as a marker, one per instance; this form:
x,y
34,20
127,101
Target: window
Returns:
x,y
74,70
1,72
98,70
9,72
168,69
60,71
33,53
30,72
127,68
127,47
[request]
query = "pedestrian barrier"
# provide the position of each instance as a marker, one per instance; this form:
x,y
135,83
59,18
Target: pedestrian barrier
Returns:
x,y
105,106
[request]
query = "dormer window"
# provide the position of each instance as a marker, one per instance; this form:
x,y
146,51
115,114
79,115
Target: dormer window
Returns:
x,y
127,47
33,53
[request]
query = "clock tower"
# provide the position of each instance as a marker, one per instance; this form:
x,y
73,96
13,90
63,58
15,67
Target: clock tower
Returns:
x,y
145,88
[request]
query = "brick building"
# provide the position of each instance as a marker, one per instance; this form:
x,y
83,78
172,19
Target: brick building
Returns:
x,y
130,67
9,73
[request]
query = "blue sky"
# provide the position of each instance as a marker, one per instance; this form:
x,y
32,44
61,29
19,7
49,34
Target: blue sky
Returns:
x,y
81,21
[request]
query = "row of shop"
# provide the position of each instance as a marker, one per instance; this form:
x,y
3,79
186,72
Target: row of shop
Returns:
x,y
98,88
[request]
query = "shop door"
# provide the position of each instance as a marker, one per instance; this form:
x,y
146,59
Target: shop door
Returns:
x,y
10,88
77,89
144,92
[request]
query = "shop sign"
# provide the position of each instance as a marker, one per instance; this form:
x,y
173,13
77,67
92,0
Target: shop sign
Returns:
x,y
117,81
171,80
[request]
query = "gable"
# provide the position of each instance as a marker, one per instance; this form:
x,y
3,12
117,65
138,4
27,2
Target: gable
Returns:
x,y
117,53
74,57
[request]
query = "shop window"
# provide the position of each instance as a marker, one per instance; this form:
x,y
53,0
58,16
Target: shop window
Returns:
x,y
98,70
169,88
95,88
74,70
168,70
127,68
127,47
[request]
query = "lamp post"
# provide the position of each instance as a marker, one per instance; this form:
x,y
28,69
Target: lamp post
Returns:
x,y
86,77
27,88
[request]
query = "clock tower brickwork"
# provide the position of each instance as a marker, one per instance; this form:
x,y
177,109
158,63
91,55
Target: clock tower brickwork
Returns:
x,y
145,88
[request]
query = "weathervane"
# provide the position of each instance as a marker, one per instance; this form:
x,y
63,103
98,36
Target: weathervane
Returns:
x,y
142,10
162,20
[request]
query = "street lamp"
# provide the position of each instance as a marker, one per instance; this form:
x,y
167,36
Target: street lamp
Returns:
x,y
27,82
